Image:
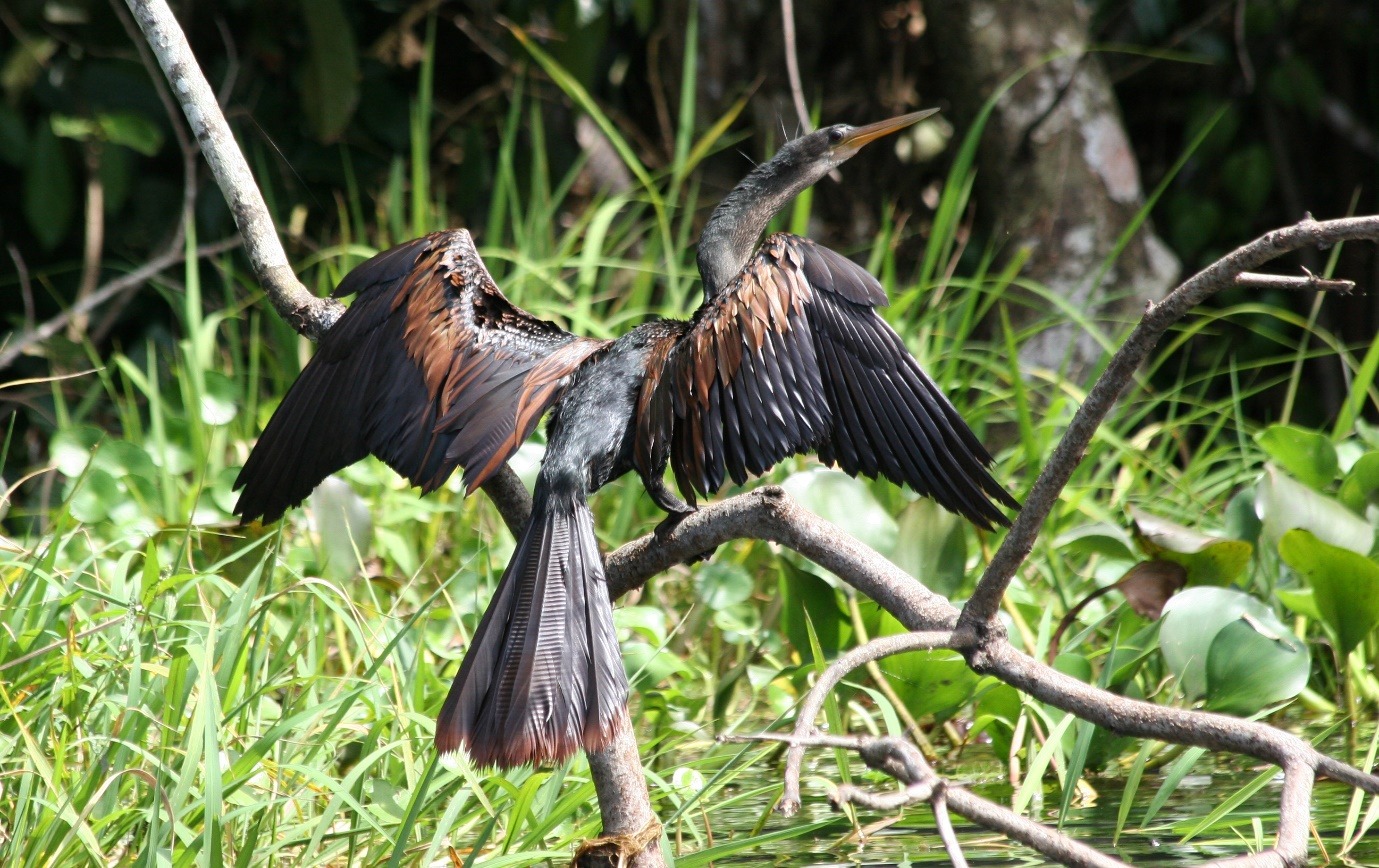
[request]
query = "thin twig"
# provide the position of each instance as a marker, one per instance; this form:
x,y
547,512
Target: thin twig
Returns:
x,y
979,613
305,312
1308,282
93,240
838,670
792,64
12,349
26,289
769,514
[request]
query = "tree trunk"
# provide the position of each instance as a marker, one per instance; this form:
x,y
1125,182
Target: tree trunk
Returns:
x,y
1056,176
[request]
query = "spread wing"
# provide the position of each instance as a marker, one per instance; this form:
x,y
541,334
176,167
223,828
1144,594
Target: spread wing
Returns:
x,y
792,357
431,368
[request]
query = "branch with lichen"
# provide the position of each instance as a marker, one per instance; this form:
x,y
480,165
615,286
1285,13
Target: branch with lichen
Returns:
x,y
768,514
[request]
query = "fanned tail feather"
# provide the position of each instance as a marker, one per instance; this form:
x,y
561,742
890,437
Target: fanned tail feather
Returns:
x,y
543,676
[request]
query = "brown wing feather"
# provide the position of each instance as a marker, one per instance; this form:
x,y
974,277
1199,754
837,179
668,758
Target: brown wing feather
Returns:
x,y
792,358
431,368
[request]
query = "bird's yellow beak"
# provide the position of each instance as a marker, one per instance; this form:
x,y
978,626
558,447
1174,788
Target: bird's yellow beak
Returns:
x,y
862,135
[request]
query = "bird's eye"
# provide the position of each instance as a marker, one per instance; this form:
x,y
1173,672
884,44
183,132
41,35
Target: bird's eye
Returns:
x,y
835,135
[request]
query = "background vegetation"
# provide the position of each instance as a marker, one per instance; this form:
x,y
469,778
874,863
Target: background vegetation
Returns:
x,y
177,690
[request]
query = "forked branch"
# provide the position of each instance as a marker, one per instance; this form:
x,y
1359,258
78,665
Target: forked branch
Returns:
x,y
768,514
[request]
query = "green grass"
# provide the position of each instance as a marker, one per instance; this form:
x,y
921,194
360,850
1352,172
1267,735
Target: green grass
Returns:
x,y
176,690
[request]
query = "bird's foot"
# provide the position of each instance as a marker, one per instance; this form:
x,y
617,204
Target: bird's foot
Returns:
x,y
668,526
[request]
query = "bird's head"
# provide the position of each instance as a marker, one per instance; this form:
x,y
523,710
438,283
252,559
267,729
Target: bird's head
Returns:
x,y
825,149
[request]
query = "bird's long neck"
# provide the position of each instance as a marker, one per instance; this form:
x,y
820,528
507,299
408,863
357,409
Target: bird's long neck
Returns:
x,y
731,235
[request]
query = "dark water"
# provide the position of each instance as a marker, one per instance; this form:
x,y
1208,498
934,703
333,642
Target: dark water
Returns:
x,y
1093,822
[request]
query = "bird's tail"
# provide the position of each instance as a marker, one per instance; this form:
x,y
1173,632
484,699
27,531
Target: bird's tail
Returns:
x,y
543,676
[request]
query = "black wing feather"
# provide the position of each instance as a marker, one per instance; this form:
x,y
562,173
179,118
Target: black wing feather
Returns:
x,y
817,369
427,370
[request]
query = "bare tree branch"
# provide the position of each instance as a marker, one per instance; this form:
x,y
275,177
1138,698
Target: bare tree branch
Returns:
x,y
838,670
11,350
1307,283
305,312
768,514
792,63
617,770
980,612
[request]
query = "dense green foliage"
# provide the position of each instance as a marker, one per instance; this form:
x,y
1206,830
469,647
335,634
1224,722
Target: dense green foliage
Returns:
x,y
177,690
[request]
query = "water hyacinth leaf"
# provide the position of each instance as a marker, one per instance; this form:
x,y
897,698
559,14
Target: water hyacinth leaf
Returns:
x,y
1191,621
1360,487
1285,504
808,599
70,448
124,458
931,545
648,621
1308,456
1254,663
1102,538
218,399
330,71
49,189
845,501
1208,560
1148,585
92,501
931,682
995,712
14,136
1345,586
646,666
722,584
1242,521
1303,601
344,524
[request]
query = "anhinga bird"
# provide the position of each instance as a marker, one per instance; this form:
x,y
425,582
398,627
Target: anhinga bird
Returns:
x,y
432,368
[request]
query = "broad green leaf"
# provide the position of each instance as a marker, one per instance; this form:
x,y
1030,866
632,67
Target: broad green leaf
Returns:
x,y
70,448
132,130
1208,560
24,63
345,525
330,71
931,545
1310,457
218,399
808,599
1254,663
1345,586
845,501
129,129
93,500
1103,538
1301,600
648,665
1191,621
1242,521
931,682
14,136
50,195
995,712
1360,487
720,584
1285,504
123,458
649,621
